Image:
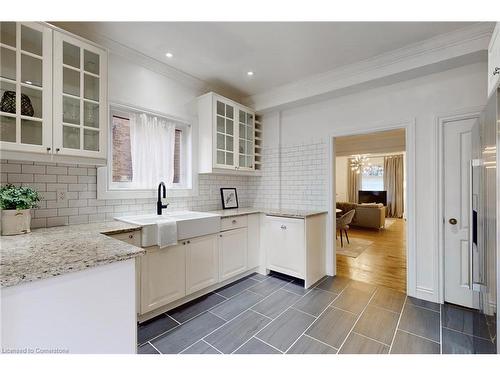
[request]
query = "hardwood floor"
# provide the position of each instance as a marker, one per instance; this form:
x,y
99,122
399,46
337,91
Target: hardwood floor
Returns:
x,y
383,262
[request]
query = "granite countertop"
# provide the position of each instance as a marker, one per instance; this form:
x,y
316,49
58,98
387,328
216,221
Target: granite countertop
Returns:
x,y
49,252
299,214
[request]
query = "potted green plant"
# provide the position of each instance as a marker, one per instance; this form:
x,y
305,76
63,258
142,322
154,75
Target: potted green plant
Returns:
x,y
16,203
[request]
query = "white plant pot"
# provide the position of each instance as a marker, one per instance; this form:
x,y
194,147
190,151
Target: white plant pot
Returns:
x,y
16,222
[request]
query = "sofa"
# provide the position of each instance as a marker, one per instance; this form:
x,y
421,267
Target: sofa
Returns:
x,y
367,215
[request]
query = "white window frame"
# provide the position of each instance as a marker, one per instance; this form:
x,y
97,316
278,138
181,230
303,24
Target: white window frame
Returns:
x,y
107,189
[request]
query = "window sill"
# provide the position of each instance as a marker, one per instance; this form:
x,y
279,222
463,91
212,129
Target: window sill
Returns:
x,y
104,192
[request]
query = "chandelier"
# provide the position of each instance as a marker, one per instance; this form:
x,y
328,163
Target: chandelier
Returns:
x,y
358,163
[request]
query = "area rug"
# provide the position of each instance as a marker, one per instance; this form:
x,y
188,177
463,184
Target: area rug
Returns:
x,y
389,222
354,248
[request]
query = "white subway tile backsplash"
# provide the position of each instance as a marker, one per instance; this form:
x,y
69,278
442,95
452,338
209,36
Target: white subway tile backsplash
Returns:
x,y
77,203
87,179
57,221
47,212
56,170
77,187
45,178
18,177
38,222
294,178
87,195
78,171
56,187
87,210
40,169
11,168
63,179
82,219
67,211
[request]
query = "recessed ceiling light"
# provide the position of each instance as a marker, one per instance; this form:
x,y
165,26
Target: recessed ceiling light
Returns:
x,y
250,73
169,55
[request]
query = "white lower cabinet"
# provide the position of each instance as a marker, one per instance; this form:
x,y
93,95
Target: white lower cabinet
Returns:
x,y
163,276
285,250
296,247
232,253
173,274
202,263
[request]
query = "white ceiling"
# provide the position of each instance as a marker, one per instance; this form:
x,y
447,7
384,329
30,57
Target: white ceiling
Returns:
x,y
279,53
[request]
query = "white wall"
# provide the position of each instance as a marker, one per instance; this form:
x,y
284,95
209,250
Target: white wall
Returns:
x,y
341,172
420,99
133,84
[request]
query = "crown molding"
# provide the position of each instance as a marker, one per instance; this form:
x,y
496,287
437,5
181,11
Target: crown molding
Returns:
x,y
439,53
132,55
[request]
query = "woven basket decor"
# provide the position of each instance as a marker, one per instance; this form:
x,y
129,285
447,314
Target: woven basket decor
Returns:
x,y
8,103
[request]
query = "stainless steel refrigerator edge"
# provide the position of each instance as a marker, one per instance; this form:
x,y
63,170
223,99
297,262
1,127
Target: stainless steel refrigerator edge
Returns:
x,y
485,211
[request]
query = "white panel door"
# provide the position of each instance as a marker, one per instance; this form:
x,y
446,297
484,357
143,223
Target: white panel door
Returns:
x,y
202,263
232,253
457,157
285,245
163,276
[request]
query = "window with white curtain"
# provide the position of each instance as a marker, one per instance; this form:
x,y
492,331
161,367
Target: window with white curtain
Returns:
x,y
146,149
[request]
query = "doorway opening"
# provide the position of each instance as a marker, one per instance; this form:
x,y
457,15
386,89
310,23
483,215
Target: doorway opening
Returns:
x,y
370,202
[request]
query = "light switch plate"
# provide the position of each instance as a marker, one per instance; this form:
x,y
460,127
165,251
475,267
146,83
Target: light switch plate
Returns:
x,y
61,195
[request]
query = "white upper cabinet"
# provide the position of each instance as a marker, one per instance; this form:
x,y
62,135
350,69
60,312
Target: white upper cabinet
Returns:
x,y
52,93
79,97
25,87
226,136
494,60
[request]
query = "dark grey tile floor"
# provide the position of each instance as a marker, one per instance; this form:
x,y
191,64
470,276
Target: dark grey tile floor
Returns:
x,y
275,314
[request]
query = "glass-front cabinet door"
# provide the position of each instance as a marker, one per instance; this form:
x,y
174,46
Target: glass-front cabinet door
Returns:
x,y
225,135
246,131
25,87
79,97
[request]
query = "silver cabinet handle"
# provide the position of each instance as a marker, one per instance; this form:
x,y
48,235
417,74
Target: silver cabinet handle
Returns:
x,y
283,227
234,221
496,71
130,236
453,221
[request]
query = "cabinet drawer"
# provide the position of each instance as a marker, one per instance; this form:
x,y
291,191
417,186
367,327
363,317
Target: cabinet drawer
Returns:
x,y
234,222
133,238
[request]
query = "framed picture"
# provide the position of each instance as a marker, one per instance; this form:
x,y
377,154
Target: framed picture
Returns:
x,y
229,198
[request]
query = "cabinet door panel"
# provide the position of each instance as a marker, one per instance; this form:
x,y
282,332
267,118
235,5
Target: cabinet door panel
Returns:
x,y
285,247
202,263
224,131
163,277
233,253
26,87
79,97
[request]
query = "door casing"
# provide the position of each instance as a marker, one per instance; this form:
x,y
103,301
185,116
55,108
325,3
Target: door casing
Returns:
x,y
411,261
